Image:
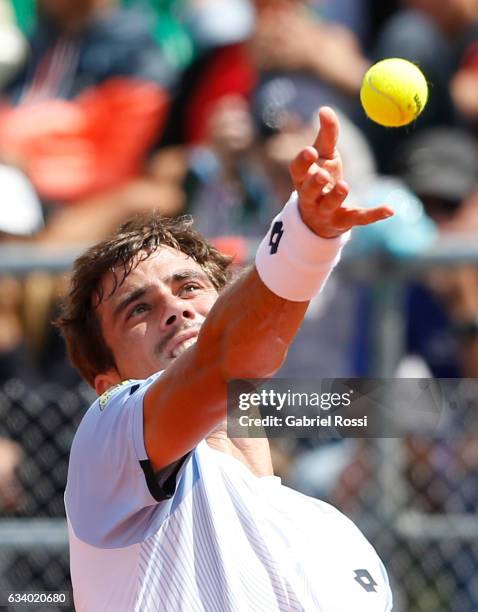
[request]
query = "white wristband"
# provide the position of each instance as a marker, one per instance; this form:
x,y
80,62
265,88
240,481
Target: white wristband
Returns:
x,y
292,261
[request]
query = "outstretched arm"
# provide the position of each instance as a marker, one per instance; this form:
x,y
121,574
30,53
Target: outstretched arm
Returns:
x,y
249,329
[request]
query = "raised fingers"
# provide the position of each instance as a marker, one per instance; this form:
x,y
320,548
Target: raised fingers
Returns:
x,y
319,210
363,216
313,185
326,141
300,165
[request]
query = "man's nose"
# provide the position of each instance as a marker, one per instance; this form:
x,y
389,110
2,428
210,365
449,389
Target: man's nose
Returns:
x,y
176,311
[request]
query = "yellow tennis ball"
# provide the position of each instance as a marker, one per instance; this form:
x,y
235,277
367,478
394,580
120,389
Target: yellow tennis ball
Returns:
x,y
394,92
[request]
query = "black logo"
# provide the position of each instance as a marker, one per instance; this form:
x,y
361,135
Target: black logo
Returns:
x,y
276,236
418,104
363,577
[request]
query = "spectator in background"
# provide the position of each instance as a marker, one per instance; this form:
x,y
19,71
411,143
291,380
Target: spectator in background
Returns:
x,y
239,40
79,118
290,37
222,67
228,192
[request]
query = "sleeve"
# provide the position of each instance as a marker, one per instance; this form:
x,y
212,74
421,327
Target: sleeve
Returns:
x,y
113,498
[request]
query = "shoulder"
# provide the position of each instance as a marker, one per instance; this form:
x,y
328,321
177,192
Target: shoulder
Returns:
x,y
113,410
108,496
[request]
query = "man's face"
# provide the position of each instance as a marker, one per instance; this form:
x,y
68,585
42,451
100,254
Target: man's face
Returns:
x,y
156,314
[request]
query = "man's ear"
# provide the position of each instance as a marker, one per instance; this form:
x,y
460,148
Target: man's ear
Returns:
x,y
104,381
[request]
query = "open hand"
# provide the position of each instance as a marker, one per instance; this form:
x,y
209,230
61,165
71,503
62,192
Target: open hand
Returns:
x,y
318,178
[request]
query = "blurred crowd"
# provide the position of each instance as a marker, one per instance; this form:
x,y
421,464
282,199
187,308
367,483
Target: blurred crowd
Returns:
x,y
113,107
110,108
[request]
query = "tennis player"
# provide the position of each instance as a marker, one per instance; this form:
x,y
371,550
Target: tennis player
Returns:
x,y
165,512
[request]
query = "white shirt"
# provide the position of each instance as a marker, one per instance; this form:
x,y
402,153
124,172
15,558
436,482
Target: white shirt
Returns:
x,y
220,540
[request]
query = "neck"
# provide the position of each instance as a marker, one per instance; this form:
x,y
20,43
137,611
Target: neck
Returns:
x,y
253,452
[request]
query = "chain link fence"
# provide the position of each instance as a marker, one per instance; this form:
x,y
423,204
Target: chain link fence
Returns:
x,y
36,430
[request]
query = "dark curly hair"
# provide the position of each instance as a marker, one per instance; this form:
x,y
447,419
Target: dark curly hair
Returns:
x,y
135,241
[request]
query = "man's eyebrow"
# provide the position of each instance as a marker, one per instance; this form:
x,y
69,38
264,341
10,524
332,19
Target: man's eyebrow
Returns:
x,y
130,297
187,274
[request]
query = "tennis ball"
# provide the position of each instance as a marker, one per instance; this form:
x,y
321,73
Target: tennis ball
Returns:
x,y
394,92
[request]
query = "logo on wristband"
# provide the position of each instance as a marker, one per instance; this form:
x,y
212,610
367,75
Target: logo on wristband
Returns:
x,y
276,236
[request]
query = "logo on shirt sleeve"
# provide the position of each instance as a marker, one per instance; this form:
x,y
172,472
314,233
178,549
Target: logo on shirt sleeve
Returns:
x,y
364,578
107,395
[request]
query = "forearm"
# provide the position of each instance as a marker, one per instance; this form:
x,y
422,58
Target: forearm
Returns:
x,y
252,327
